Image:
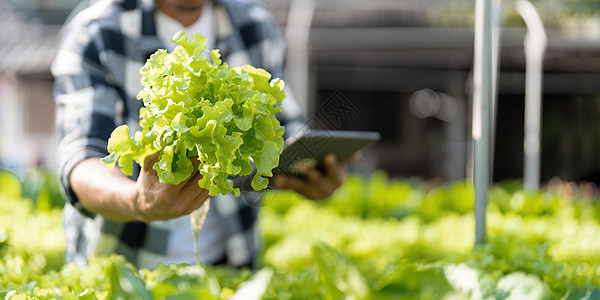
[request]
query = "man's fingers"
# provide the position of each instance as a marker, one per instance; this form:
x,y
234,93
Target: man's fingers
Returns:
x,y
195,192
195,162
322,184
334,171
288,183
354,157
191,183
197,201
189,198
160,201
297,184
151,160
311,174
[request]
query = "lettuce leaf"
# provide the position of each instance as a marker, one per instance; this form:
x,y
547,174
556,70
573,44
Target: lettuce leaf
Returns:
x,y
198,109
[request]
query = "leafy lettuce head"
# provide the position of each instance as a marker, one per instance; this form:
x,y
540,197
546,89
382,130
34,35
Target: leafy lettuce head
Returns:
x,y
198,109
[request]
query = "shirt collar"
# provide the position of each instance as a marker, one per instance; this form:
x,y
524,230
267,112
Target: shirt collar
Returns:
x,y
149,41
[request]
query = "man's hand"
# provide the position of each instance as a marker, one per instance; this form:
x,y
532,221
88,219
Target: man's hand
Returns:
x,y
317,185
113,195
160,201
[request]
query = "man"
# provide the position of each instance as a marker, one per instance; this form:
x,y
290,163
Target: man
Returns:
x,y
96,81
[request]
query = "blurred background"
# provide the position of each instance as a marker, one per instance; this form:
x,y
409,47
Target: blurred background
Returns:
x,y
402,68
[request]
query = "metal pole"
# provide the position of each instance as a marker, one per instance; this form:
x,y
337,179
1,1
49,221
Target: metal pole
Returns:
x,y
535,45
496,8
482,102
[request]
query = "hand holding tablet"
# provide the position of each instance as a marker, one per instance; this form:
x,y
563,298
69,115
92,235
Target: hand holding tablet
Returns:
x,y
310,147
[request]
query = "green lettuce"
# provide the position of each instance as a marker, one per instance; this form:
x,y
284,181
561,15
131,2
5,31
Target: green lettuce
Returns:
x,y
198,109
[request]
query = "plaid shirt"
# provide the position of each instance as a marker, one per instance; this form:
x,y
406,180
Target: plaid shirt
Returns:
x,y
97,79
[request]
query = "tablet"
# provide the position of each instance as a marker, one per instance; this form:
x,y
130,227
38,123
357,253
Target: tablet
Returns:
x,y
311,146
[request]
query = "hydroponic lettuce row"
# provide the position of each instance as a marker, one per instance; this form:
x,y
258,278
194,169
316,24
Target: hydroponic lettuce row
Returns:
x,y
375,238
194,108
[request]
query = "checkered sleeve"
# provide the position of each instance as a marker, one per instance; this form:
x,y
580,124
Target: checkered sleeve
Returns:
x,y
88,103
